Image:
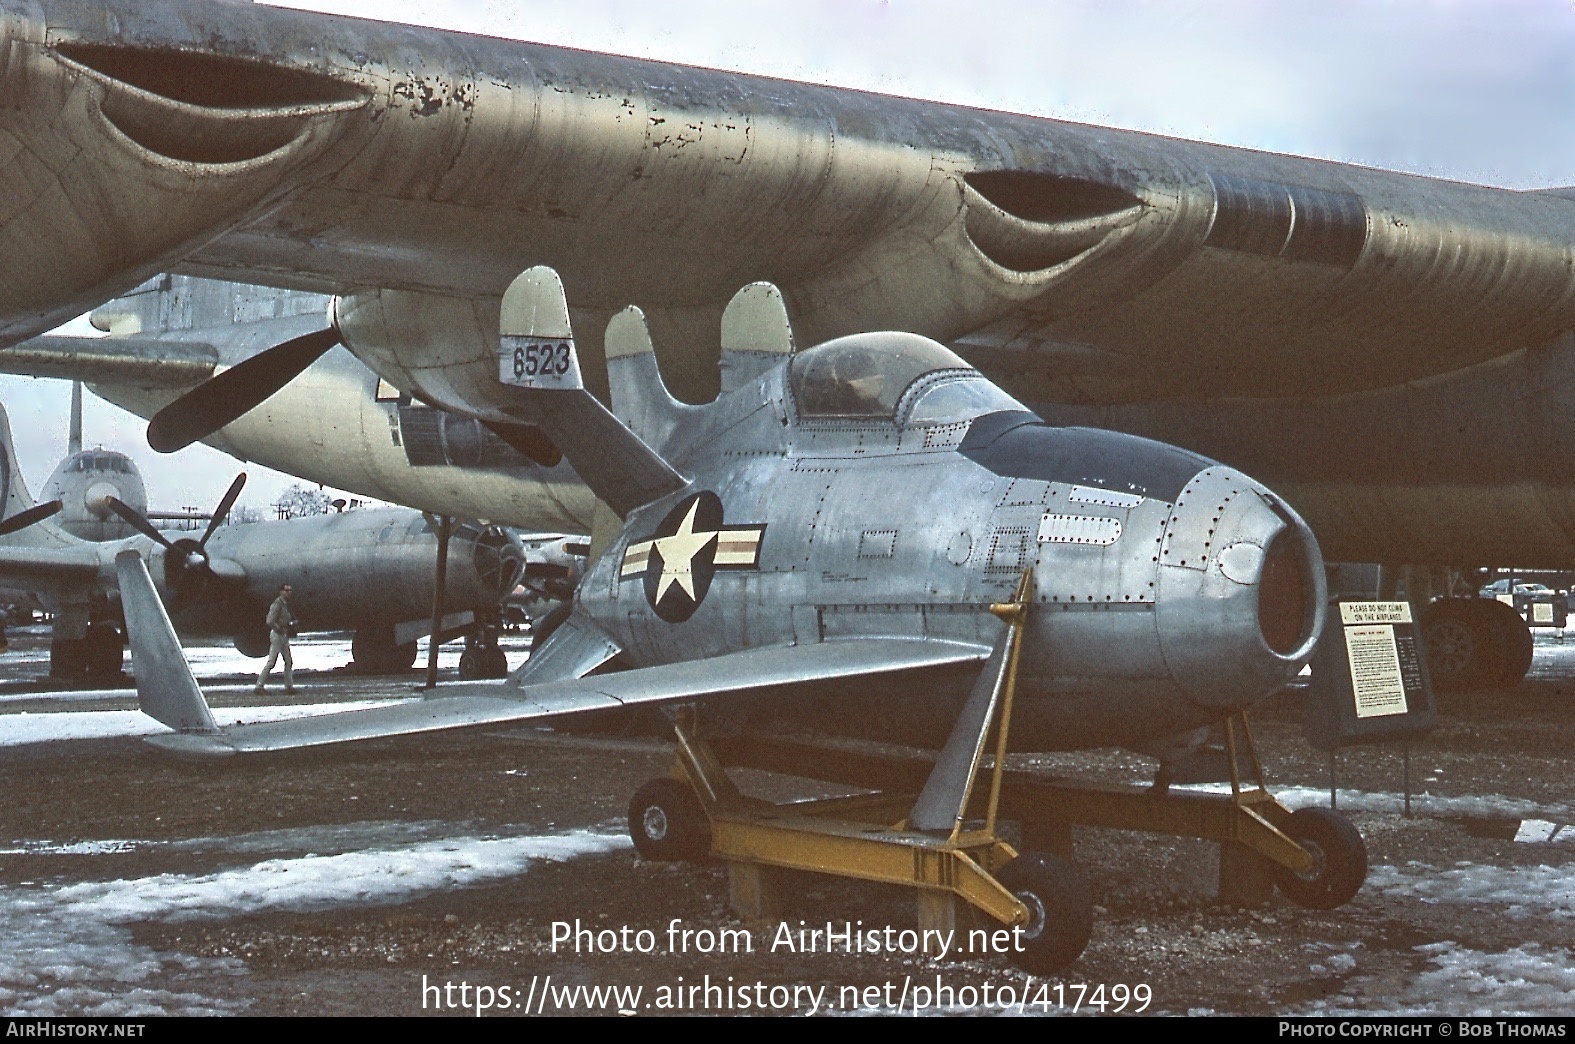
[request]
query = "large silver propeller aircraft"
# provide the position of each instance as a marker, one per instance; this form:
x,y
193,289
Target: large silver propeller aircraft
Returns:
x,y
88,481
337,423
370,570
821,547
1380,347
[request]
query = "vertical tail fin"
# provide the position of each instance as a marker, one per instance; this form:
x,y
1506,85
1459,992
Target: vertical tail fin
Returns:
x,y
538,360
639,395
74,433
756,334
14,495
166,689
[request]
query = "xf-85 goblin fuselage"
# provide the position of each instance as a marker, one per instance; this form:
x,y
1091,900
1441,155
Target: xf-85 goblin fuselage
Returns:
x,y
877,486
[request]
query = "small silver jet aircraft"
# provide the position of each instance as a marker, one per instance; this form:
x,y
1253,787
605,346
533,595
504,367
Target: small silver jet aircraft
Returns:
x,y
822,545
370,570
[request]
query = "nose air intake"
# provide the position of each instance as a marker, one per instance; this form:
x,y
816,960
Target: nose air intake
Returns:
x,y
1241,590
1283,595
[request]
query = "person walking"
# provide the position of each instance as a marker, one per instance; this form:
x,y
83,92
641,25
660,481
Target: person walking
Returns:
x,y
281,621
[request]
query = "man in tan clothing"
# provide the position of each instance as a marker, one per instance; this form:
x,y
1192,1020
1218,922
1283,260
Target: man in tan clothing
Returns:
x,y
280,622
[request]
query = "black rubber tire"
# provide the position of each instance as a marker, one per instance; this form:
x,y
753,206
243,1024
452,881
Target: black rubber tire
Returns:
x,y
401,658
497,663
252,642
1512,639
472,664
374,651
1461,642
370,648
67,658
667,822
1339,860
103,649
1061,913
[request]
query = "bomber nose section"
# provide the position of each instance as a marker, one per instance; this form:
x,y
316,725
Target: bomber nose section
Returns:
x,y
1241,590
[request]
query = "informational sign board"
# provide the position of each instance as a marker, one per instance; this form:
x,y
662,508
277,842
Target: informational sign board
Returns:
x,y
1554,612
1369,677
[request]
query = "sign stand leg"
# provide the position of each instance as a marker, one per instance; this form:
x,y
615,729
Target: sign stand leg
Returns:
x,y
1333,798
1406,761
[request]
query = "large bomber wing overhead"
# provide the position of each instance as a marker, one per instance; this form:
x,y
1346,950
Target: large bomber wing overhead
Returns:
x,y
420,170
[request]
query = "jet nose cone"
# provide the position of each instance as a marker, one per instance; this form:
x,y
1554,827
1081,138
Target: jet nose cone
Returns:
x,y
1241,590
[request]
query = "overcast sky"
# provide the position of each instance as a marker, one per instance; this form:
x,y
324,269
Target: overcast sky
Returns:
x,y
1480,92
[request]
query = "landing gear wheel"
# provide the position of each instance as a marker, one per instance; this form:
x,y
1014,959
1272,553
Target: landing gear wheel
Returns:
x,y
1060,912
1460,641
101,649
1339,860
374,651
472,664
401,658
252,642
67,658
668,823
1511,641
497,663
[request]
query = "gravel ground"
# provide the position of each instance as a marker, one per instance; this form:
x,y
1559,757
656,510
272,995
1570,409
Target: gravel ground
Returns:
x,y
426,876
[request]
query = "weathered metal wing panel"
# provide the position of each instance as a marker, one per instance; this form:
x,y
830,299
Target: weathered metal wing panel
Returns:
x,y
48,568
145,362
574,650
465,705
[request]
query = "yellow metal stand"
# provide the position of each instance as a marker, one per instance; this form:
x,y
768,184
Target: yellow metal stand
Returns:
x,y
1248,822
866,837
871,838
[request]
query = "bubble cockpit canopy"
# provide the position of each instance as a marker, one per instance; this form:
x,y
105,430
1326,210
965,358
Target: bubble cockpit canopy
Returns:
x,y
873,376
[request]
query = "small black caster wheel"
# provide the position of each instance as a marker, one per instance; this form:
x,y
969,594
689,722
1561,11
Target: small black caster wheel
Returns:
x,y
1339,860
1060,911
667,822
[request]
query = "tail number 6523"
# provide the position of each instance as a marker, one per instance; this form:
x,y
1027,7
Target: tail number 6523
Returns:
x,y
541,360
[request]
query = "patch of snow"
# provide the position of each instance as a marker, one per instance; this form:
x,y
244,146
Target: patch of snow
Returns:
x,y
1527,980
67,951
1530,891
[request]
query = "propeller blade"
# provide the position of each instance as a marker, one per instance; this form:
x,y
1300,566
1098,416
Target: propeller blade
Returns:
x,y
221,399
23,519
140,524
222,512
527,440
545,571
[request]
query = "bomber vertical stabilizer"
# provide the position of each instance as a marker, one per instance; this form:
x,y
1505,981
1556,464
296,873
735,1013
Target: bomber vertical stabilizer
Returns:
x,y
539,362
756,335
17,499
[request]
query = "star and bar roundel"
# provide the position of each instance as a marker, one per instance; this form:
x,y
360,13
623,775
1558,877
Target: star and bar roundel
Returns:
x,y
684,553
